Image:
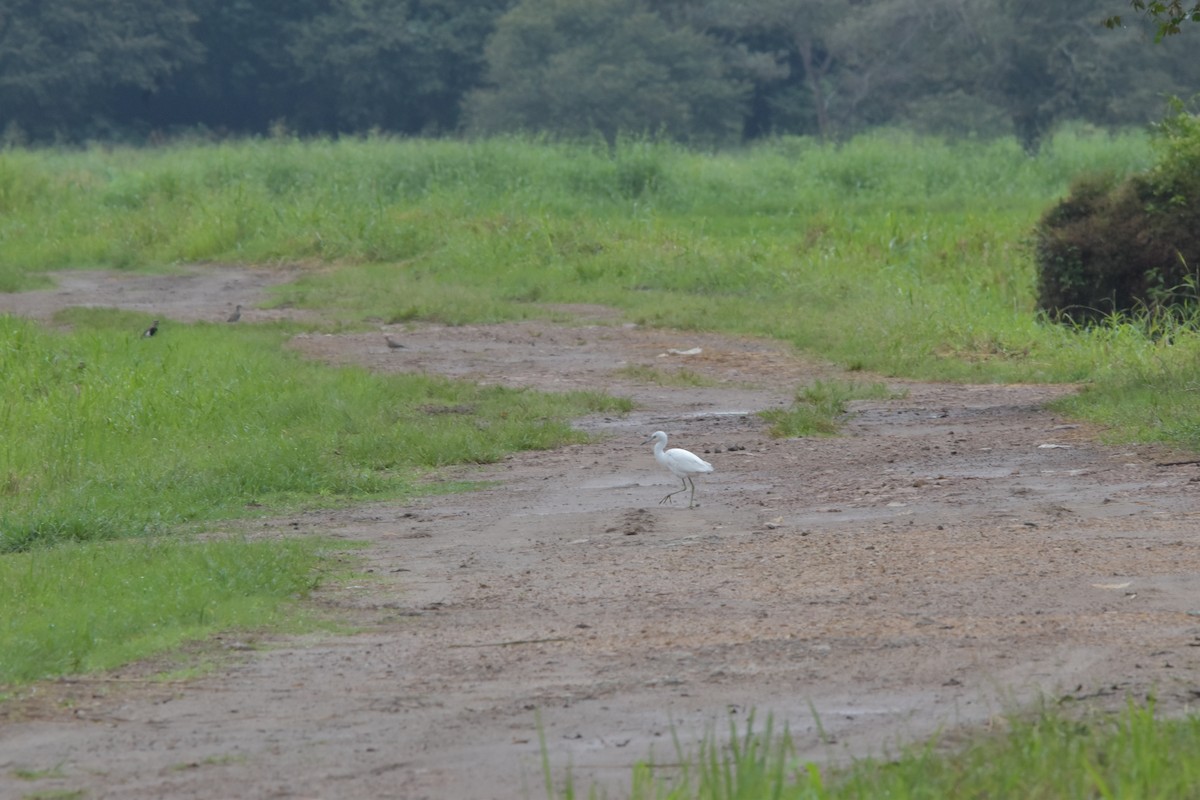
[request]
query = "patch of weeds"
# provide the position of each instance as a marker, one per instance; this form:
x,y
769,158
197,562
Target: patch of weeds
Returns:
x,y
664,377
211,761
188,673
1040,755
25,774
599,402
819,407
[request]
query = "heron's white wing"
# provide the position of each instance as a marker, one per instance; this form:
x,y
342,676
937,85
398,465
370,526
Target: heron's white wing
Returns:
x,y
688,461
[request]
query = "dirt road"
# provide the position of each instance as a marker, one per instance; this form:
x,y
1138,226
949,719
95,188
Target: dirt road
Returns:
x,y
958,551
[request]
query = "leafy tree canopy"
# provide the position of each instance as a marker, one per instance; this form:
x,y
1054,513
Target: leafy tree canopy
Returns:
x,y
400,66
56,56
578,67
695,70
1167,16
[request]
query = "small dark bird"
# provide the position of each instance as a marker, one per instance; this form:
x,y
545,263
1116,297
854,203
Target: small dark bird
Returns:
x,y
153,329
236,315
392,343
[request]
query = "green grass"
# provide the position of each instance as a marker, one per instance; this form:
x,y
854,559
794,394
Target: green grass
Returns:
x,y
95,605
116,444
1153,397
38,774
663,377
122,435
819,407
901,255
1052,755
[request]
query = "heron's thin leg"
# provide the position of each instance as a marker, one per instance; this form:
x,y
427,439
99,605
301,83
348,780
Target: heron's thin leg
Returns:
x,y
672,494
692,499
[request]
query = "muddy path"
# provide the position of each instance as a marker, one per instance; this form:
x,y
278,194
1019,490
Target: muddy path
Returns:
x,y
957,552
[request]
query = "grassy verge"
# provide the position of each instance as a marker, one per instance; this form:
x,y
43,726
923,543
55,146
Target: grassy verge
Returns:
x,y
123,435
91,606
115,441
1153,397
1131,754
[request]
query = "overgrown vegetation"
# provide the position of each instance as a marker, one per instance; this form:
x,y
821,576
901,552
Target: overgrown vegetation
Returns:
x,y
889,253
1054,754
819,407
1127,244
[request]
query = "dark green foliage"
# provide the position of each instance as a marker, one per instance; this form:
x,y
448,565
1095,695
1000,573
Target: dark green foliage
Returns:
x,y
1167,16
245,79
1126,246
783,49
60,61
580,67
711,72
400,67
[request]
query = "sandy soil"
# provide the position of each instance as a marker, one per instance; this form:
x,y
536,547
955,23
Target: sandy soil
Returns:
x,y
958,552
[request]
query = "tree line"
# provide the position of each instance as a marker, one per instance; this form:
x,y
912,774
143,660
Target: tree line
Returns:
x,y
705,71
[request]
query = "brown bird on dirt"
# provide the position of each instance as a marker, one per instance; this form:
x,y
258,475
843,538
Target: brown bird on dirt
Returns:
x,y
392,343
153,329
236,315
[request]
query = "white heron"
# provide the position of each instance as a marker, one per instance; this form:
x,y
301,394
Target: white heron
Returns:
x,y
683,465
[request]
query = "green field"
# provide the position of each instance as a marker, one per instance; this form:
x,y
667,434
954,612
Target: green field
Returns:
x,y
886,254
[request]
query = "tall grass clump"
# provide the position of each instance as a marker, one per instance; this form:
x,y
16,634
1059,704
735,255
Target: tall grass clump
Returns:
x,y
112,434
1052,755
253,201
1150,398
90,606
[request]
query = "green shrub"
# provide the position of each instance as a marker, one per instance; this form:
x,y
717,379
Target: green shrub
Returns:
x,y
1126,246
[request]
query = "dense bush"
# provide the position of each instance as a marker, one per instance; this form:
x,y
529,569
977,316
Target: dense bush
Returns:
x,y
1126,246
